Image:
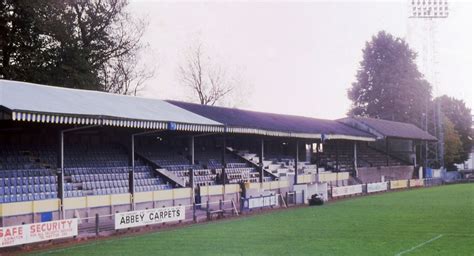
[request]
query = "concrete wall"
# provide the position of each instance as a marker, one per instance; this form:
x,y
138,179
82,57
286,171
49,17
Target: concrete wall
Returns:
x,y
374,174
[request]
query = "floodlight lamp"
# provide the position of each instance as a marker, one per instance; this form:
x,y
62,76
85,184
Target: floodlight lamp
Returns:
x,y
429,9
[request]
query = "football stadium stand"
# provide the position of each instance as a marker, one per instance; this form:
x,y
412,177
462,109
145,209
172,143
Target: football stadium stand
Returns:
x,y
71,152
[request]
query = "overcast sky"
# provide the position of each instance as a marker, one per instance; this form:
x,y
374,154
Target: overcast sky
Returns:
x,y
298,58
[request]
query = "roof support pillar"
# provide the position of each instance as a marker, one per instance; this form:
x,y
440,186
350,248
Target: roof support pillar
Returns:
x,y
61,173
131,173
223,161
318,161
191,149
296,162
415,160
355,158
61,165
260,158
131,176
387,149
191,181
337,155
426,154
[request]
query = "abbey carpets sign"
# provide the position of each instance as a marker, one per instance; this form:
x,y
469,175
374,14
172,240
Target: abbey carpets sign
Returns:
x,y
148,217
37,232
376,187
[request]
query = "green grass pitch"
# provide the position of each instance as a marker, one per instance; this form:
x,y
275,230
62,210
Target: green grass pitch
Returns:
x,y
431,221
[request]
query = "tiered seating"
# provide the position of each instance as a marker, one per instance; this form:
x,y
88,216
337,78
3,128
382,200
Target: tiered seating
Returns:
x,y
109,180
237,171
27,185
23,176
97,155
212,159
208,165
104,170
22,157
372,157
242,174
202,177
279,164
366,157
345,159
167,159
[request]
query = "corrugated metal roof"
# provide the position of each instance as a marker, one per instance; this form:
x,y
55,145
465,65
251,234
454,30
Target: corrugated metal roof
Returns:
x,y
25,98
390,128
286,124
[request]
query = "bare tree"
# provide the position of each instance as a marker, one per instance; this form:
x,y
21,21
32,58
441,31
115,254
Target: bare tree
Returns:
x,y
125,75
208,81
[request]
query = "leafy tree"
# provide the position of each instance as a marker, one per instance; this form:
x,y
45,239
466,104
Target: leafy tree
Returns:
x,y
87,44
460,117
453,146
389,85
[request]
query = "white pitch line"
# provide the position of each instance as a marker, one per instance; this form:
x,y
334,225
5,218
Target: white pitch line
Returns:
x,y
420,245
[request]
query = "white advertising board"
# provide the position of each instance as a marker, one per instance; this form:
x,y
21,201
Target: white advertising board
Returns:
x,y
37,232
263,201
376,187
148,217
346,190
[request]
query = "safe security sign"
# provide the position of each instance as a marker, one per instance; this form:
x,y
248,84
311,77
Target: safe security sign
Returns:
x,y
148,217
